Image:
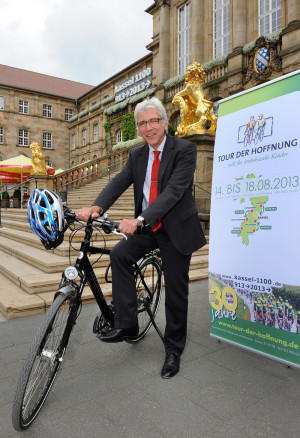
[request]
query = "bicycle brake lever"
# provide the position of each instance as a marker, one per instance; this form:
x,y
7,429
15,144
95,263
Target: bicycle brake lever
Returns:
x,y
119,234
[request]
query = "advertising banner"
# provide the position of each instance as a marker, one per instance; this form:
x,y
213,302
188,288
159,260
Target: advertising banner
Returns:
x,y
254,247
136,83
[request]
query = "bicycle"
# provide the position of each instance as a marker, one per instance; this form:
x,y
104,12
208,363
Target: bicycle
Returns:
x,y
49,346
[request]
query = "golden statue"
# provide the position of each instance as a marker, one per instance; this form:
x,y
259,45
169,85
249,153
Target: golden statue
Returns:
x,y
38,161
195,111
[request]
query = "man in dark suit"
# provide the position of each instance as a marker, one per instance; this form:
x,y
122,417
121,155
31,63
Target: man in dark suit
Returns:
x,y
167,208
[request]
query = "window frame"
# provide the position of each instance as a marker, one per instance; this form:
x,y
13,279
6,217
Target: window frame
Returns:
x,y
23,106
265,19
184,16
47,140
96,132
68,114
83,134
24,137
1,135
47,110
119,136
221,39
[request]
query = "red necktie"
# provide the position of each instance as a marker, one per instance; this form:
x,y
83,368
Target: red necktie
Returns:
x,y
153,186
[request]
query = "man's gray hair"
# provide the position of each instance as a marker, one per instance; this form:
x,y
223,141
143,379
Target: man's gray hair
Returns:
x,y
146,104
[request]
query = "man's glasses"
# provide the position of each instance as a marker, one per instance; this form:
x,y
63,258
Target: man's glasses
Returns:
x,y
152,122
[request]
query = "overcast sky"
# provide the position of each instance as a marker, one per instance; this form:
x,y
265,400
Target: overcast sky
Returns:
x,y
82,40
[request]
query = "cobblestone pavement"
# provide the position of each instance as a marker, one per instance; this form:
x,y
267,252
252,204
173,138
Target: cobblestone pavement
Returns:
x,y
115,391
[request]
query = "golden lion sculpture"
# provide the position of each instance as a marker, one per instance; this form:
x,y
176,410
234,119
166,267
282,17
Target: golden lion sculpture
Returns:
x,y
38,161
195,111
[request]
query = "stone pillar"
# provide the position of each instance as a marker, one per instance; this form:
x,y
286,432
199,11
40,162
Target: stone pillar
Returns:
x,y
197,44
239,39
164,41
203,174
41,182
239,23
293,11
290,54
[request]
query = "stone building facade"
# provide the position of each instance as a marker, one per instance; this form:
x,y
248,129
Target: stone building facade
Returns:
x,y
227,37
36,108
239,43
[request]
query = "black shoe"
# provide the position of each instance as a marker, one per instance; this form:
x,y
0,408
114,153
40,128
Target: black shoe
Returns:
x,y
118,335
171,366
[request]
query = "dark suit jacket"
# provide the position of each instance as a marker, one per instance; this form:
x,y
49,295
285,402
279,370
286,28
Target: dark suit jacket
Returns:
x,y
175,205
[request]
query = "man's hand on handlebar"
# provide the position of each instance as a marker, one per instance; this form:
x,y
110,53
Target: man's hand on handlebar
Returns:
x,y
128,226
85,212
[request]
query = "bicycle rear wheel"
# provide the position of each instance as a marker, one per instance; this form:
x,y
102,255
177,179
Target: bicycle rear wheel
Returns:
x,y
148,288
43,361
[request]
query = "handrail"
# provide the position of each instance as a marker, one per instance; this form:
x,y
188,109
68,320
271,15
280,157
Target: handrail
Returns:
x,y
13,188
203,205
72,180
199,187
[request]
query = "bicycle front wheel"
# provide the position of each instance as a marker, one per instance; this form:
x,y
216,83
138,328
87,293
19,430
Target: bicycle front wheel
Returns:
x,y
43,361
148,289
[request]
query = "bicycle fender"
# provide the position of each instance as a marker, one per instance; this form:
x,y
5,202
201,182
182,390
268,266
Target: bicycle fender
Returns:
x,y
65,290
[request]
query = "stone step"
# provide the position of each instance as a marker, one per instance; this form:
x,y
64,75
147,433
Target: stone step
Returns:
x,y
51,262
31,240
30,275
15,302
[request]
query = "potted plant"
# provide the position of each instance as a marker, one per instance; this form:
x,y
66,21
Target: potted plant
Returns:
x,y
5,200
17,198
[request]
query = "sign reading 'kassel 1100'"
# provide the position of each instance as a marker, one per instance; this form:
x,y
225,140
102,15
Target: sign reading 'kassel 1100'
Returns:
x,y
134,84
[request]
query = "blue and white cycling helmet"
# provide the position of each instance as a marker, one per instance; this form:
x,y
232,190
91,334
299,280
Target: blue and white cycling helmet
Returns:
x,y
46,217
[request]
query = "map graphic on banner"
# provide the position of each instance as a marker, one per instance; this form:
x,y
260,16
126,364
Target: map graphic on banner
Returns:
x,y
254,279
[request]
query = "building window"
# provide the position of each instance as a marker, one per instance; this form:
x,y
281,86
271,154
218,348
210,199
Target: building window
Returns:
x,y
119,136
1,102
1,135
269,19
49,163
84,137
24,106
47,140
95,129
184,37
47,110
73,141
68,114
221,35
23,137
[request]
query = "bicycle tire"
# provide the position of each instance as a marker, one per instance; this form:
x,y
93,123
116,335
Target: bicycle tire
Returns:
x,y
43,361
152,273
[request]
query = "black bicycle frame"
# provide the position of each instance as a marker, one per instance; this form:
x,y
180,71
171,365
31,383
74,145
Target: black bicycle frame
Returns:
x,y
87,275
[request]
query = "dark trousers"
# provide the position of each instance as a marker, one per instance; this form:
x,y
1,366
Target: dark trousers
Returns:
x,y
176,269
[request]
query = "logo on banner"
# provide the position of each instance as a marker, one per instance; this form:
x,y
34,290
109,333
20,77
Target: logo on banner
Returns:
x,y
255,130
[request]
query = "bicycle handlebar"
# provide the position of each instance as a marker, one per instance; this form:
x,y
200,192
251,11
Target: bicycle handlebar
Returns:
x,y
107,226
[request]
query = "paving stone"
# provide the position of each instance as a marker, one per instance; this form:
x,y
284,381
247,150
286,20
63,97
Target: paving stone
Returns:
x,y
115,390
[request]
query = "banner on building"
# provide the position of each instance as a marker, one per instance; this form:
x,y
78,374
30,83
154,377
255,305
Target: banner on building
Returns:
x,y
135,84
254,249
